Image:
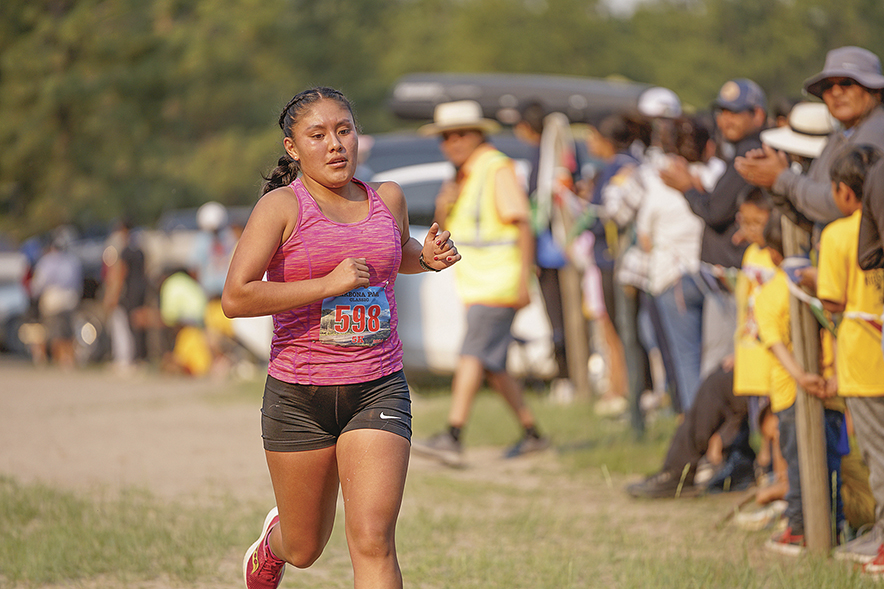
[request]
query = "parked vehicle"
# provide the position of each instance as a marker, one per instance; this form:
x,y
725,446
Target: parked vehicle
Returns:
x,y
14,301
583,100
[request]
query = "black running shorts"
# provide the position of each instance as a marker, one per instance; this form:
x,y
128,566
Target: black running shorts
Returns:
x,y
297,417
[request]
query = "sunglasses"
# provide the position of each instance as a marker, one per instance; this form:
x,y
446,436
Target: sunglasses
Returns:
x,y
829,84
446,135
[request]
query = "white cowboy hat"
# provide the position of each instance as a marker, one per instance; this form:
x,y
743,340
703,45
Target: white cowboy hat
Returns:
x,y
806,134
459,115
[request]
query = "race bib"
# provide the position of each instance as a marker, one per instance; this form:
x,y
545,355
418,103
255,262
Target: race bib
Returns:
x,y
360,317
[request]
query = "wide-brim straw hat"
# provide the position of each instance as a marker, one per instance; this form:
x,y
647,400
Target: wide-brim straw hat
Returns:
x,y
810,124
460,115
855,63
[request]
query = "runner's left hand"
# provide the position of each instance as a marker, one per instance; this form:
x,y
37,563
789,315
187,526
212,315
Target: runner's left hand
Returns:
x,y
439,250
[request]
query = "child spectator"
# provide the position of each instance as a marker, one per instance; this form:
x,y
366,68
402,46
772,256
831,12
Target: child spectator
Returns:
x,y
773,316
752,361
844,288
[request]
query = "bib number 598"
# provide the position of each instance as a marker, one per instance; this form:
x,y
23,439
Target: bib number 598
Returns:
x,y
357,319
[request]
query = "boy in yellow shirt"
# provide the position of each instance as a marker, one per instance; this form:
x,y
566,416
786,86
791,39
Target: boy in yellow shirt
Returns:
x,y
844,288
752,360
774,329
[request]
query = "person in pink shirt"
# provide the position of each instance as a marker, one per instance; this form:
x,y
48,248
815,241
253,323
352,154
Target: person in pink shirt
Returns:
x,y
336,409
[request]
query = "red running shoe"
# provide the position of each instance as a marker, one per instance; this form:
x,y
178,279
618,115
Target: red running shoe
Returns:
x,y
875,566
786,543
261,569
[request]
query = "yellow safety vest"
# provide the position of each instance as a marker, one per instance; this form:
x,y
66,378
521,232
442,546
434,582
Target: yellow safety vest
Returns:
x,y
491,268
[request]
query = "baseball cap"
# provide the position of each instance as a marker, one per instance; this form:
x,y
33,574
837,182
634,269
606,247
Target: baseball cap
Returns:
x,y
740,95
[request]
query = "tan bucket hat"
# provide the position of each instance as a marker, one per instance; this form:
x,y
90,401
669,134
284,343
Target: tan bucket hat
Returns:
x,y
855,63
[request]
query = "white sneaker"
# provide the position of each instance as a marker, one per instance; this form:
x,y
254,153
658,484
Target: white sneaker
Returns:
x,y
611,407
861,549
759,519
561,391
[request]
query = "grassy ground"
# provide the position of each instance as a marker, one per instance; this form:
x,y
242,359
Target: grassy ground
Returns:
x,y
554,521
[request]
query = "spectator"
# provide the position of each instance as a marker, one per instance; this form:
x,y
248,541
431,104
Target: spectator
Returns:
x,y
774,330
211,255
57,284
850,85
717,419
670,233
611,142
125,292
720,408
706,305
870,251
183,311
486,209
213,247
858,295
657,108
549,258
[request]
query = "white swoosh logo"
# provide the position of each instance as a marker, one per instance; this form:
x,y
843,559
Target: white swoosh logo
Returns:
x,y
385,416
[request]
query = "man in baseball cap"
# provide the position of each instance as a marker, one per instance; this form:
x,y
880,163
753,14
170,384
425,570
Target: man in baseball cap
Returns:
x,y
740,95
740,116
850,84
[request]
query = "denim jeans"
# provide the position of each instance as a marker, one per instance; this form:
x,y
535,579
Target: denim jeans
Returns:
x,y
681,314
789,447
637,366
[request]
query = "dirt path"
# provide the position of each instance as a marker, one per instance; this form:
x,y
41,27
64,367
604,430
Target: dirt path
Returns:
x,y
95,430
177,437
185,439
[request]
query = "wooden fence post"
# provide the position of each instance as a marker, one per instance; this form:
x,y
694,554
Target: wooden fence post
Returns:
x,y
554,189
809,421
576,329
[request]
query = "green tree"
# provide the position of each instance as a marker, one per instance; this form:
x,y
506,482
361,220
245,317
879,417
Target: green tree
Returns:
x,y
137,106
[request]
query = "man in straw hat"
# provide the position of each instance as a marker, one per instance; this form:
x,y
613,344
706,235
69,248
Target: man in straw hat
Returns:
x,y
487,209
850,85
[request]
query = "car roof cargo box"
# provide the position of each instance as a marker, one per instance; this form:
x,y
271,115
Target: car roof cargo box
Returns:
x,y
583,100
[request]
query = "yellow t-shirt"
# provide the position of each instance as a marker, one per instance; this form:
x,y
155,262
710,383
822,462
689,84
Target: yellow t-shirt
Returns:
x,y
752,361
859,363
773,316
191,351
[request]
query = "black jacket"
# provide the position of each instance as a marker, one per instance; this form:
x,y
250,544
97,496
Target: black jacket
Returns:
x,y
719,208
870,252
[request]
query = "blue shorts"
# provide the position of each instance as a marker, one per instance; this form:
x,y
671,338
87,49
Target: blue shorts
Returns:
x,y
295,417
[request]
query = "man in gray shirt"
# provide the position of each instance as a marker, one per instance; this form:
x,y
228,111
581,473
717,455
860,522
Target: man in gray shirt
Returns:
x,y
850,85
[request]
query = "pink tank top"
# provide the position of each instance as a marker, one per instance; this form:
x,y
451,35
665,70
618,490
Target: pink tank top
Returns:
x,y
342,340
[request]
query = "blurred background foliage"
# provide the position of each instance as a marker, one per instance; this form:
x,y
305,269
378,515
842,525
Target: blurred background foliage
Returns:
x,y
113,107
